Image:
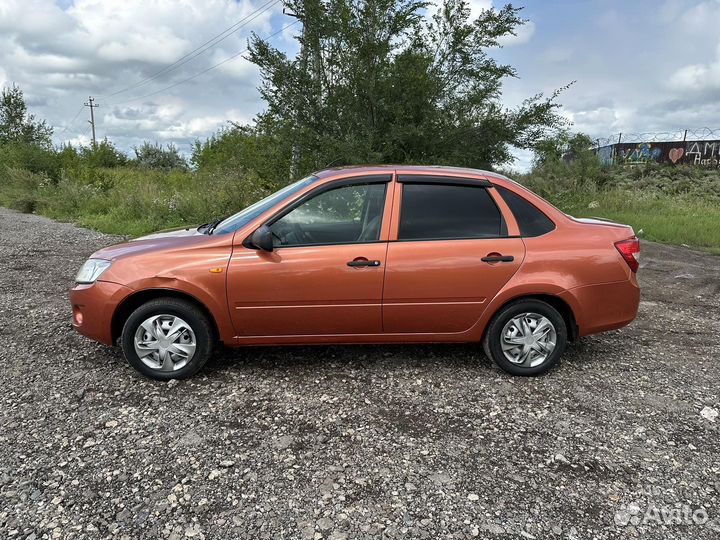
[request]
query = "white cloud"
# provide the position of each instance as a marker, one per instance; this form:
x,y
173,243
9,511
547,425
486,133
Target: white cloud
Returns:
x,y
79,140
637,69
698,77
60,55
477,6
239,68
522,35
523,161
193,128
33,18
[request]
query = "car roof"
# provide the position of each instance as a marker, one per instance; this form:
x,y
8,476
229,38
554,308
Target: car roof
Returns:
x,y
418,169
497,179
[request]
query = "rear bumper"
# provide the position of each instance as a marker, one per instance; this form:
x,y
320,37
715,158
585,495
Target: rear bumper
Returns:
x,y
93,306
606,306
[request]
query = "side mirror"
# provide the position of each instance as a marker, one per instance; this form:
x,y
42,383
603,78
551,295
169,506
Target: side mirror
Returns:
x,y
262,239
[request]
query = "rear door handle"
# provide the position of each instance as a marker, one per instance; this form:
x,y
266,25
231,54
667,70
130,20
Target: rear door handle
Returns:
x,y
498,258
363,262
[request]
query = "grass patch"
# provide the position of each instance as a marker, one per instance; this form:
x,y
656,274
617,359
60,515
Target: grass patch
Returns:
x,y
677,205
661,218
131,201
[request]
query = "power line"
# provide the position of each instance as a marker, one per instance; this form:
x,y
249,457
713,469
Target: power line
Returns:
x,y
189,56
212,42
70,124
201,72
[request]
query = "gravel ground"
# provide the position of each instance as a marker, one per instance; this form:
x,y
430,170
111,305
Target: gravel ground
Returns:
x,y
619,441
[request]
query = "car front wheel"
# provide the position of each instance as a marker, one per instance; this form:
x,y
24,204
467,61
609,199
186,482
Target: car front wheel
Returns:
x,y
526,337
167,338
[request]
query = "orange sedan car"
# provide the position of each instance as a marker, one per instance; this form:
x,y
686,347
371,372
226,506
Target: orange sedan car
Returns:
x,y
384,254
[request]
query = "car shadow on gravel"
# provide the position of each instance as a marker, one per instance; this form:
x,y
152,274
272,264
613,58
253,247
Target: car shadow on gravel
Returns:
x,y
337,360
400,357
340,358
403,357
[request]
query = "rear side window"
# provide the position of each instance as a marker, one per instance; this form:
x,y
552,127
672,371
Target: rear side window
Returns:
x,y
435,211
532,222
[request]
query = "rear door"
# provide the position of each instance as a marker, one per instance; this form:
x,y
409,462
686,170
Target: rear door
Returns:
x,y
449,255
325,273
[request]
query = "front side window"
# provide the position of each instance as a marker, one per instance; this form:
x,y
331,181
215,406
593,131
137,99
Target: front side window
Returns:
x,y
245,216
443,211
344,215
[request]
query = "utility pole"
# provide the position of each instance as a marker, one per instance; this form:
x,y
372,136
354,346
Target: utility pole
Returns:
x,y
295,156
91,103
310,10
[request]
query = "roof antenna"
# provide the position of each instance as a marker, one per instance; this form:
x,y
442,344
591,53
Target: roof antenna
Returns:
x,y
336,162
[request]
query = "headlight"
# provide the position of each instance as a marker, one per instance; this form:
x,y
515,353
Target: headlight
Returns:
x,y
91,270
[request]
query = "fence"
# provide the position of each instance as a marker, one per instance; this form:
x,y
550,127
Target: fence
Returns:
x,y
689,146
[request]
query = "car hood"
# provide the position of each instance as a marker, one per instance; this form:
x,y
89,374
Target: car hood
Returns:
x,y
160,241
169,233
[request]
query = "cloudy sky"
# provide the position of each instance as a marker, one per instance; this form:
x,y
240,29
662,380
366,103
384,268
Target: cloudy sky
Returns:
x,y
642,65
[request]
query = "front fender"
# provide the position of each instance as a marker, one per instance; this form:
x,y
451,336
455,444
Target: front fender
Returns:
x,y
210,293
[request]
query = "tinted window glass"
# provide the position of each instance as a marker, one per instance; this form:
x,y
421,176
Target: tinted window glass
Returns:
x,y
245,216
343,215
532,222
432,211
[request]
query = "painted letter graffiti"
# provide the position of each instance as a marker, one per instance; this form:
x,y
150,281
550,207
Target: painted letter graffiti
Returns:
x,y
700,153
705,153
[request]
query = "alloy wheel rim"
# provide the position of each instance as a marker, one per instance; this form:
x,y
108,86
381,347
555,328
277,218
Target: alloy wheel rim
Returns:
x,y
165,342
528,339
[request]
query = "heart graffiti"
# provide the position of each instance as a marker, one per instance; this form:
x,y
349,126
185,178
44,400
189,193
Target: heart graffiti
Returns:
x,y
675,154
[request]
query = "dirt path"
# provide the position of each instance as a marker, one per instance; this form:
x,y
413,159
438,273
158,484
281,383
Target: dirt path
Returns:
x,y
356,442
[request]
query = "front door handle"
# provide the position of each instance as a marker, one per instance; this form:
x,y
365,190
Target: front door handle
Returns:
x,y
363,262
498,258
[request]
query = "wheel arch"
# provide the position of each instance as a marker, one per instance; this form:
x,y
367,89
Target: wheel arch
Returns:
x,y
138,298
558,303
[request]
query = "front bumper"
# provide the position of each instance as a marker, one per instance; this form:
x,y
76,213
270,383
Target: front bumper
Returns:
x,y
93,306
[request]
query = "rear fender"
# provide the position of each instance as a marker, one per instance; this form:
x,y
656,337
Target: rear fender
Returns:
x,y
517,291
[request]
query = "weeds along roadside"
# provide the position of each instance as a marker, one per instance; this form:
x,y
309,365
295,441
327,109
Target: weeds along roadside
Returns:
x,y
678,205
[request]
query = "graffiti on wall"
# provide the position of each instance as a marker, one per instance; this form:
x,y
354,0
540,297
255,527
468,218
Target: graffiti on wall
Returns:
x,y
704,153
637,154
701,153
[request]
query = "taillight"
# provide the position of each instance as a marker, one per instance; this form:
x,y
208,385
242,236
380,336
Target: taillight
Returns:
x,y
629,249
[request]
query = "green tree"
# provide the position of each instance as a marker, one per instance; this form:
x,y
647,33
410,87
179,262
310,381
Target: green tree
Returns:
x,y
569,160
379,81
104,154
69,156
154,156
563,145
17,125
245,147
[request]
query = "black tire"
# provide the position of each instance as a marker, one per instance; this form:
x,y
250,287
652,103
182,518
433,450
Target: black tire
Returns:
x,y
492,341
188,312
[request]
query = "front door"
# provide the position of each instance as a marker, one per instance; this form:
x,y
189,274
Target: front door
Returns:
x,y
325,274
450,259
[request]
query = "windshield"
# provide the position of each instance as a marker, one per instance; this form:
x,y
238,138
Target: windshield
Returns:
x,y
245,216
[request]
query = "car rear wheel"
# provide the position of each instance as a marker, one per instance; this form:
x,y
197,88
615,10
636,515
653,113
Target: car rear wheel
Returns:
x,y
167,338
526,337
